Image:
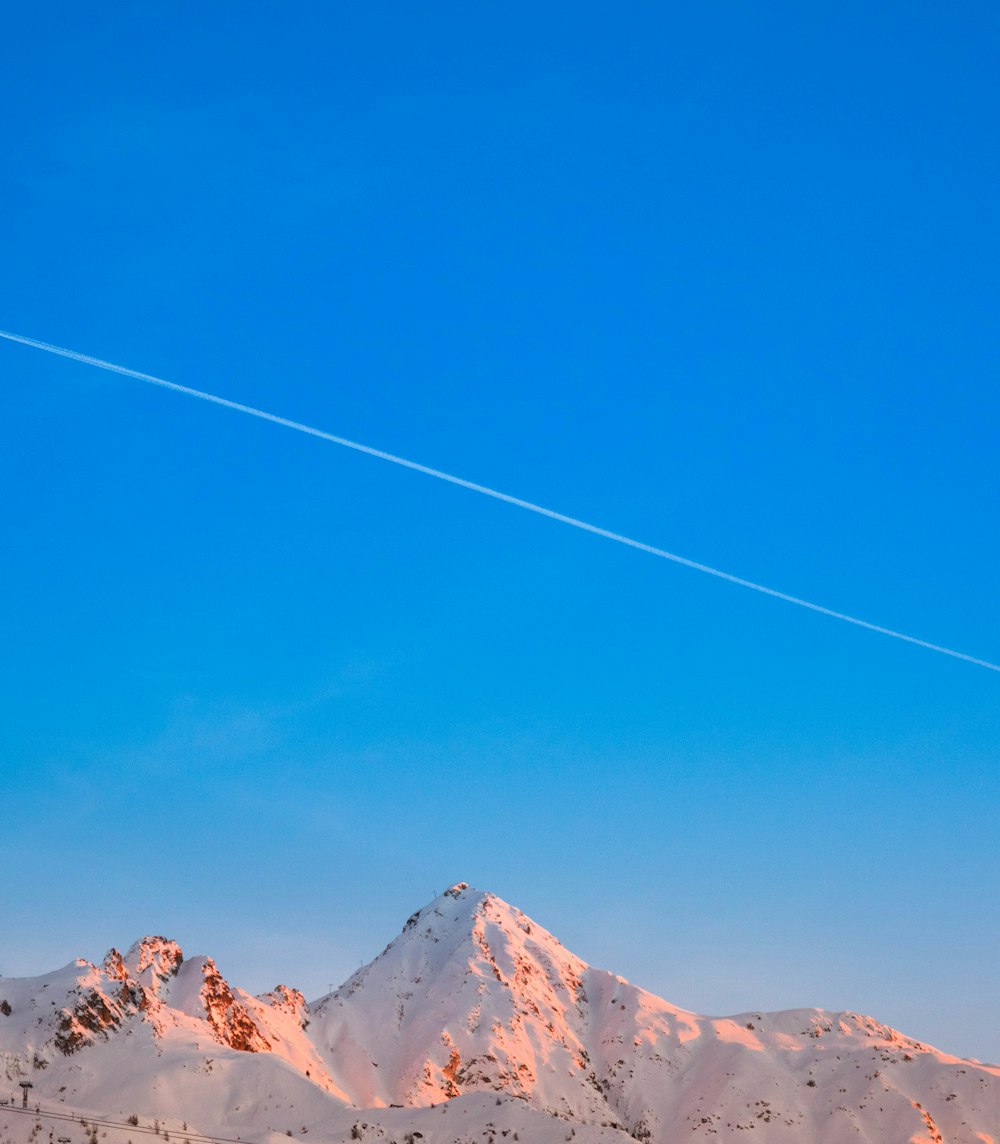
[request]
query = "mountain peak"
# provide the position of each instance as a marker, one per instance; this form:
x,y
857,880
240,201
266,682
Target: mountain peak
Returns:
x,y
149,960
462,915
477,991
473,1000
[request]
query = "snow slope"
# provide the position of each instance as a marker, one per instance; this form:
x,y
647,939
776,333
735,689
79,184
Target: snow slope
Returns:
x,y
477,1023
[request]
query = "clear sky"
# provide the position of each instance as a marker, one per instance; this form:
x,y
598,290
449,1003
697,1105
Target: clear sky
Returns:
x,y
722,277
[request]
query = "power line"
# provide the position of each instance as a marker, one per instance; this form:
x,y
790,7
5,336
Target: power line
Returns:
x,y
495,494
124,1125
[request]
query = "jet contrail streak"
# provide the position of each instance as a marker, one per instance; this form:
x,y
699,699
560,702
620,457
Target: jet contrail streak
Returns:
x,y
494,493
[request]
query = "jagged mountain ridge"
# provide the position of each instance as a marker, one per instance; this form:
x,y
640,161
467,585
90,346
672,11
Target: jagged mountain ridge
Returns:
x,y
178,1004
472,997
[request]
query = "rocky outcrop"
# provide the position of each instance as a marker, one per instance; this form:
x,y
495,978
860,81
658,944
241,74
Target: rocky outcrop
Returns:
x,y
230,1021
96,1015
287,1000
149,961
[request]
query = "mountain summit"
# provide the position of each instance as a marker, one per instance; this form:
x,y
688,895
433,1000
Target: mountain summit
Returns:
x,y
471,995
473,1016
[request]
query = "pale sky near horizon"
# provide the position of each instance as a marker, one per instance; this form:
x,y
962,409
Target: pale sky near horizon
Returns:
x,y
720,278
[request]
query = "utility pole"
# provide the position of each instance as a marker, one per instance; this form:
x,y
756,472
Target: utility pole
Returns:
x,y
25,1085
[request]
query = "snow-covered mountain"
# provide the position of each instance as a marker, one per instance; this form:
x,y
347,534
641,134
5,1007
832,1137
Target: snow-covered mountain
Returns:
x,y
474,1024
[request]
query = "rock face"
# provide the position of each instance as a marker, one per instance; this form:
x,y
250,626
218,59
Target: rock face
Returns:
x,y
149,961
477,1006
95,1014
151,983
107,996
290,1001
230,1022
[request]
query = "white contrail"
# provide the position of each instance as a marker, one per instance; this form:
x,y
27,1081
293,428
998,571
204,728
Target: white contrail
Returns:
x,y
506,497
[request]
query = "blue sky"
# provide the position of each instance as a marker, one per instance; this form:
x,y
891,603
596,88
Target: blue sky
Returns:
x,y
722,278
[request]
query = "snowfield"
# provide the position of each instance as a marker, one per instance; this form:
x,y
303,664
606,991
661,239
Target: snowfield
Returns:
x,y
475,1024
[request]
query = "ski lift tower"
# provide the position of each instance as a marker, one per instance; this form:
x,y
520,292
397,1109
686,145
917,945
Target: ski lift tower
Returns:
x,y
25,1085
